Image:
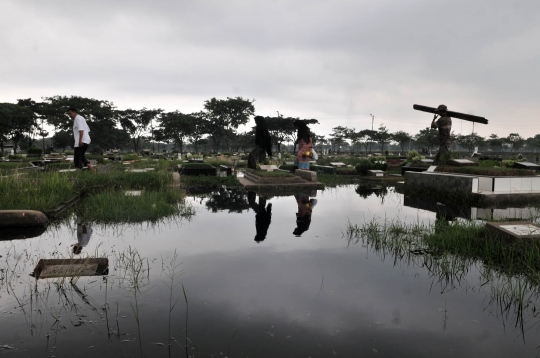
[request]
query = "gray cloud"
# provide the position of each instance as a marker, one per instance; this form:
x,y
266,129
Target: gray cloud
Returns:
x,y
336,61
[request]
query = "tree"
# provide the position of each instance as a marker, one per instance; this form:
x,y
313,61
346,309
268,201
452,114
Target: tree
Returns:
x,y
55,111
402,138
280,128
39,113
177,127
137,123
62,139
470,141
15,122
225,116
339,136
515,141
428,137
495,142
382,136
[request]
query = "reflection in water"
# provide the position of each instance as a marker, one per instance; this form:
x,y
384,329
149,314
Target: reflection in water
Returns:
x,y
303,216
21,233
366,189
263,215
512,296
84,233
231,199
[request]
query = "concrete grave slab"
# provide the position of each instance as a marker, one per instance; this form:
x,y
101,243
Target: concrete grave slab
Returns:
x,y
431,168
427,161
462,163
514,230
526,165
337,164
268,168
375,173
133,192
306,175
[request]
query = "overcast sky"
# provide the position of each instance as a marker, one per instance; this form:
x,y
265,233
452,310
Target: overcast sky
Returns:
x,y
337,61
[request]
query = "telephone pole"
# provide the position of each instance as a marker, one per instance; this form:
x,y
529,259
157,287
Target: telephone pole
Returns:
x,y
372,120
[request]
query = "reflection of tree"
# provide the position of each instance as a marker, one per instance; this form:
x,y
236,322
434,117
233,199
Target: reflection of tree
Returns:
x,y
512,295
366,189
232,199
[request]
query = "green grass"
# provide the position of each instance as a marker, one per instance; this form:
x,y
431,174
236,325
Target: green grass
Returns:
x,y
197,166
114,206
35,192
274,174
203,181
466,240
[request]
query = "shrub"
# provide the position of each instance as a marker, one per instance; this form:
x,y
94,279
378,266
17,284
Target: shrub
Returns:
x,y
368,164
34,151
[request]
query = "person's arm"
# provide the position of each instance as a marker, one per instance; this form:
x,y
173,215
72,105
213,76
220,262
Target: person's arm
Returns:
x,y
81,134
433,123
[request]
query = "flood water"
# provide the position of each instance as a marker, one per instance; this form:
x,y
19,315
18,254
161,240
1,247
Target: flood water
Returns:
x,y
272,285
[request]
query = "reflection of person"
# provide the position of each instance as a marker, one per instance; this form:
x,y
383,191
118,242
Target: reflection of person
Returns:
x,y
303,217
263,143
84,233
444,124
81,133
305,145
263,215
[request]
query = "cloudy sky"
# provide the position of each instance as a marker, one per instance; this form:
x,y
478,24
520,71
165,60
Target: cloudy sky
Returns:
x,y
337,61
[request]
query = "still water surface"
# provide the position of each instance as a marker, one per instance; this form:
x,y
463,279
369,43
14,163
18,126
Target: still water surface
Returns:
x,y
308,295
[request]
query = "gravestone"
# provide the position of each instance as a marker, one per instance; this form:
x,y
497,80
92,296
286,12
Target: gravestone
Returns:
x,y
268,168
461,163
427,161
375,173
337,164
526,165
513,230
431,168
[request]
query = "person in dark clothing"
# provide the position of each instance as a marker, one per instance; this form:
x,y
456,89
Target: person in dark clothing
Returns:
x,y
263,143
444,125
263,215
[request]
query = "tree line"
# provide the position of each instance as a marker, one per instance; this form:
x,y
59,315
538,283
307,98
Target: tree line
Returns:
x,y
216,125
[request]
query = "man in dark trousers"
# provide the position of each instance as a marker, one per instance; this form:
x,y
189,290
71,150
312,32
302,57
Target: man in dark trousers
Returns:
x,y
444,124
263,143
81,134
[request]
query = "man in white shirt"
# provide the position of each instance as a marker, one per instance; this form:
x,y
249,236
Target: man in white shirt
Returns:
x,y
82,139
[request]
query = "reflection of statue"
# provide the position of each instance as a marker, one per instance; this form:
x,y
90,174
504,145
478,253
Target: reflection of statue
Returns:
x,y
263,216
263,143
444,124
303,217
84,233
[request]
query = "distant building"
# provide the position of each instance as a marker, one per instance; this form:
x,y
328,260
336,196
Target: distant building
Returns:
x,y
9,148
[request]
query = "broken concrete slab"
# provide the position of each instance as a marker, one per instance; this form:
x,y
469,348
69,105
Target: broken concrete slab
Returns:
x,y
48,268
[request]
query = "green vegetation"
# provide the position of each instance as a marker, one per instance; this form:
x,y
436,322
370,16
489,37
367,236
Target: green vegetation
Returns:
x,y
197,166
449,242
115,206
207,182
373,163
36,192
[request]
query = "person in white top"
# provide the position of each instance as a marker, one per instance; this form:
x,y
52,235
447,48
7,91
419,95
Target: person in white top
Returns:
x,y
81,134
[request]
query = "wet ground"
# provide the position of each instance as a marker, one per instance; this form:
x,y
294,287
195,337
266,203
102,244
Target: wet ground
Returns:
x,y
250,280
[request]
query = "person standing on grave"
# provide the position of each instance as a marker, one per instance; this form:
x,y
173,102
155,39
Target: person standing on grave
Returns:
x,y
444,125
263,143
81,133
305,145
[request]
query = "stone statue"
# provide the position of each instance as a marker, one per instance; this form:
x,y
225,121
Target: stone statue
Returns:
x,y
444,125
